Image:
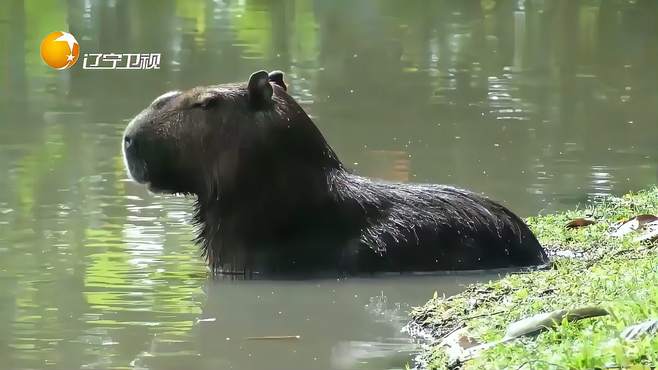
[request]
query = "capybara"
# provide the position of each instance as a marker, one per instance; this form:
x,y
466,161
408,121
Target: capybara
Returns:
x,y
273,197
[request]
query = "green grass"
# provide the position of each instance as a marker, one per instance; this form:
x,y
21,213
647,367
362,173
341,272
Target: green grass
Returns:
x,y
618,274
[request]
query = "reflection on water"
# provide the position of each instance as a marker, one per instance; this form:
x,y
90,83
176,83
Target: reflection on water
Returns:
x,y
541,104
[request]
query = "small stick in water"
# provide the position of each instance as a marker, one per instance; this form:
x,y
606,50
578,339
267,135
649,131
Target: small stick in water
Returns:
x,y
276,337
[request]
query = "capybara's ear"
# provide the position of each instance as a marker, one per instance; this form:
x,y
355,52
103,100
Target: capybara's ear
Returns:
x,y
260,90
277,78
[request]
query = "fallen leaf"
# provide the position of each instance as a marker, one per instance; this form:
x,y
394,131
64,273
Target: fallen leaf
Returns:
x,y
637,330
579,222
460,347
649,232
537,323
633,224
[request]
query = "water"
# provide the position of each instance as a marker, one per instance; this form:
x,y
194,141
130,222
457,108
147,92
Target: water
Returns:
x,y
543,105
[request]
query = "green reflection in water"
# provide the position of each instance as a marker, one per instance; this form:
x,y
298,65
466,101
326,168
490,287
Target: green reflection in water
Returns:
x,y
37,164
253,27
541,104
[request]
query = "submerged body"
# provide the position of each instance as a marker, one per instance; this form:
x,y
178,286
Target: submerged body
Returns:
x,y
272,196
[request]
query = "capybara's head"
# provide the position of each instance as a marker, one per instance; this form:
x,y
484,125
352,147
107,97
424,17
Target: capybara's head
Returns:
x,y
208,139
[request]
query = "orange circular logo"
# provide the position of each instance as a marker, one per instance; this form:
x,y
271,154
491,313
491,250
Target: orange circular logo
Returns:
x,y
60,50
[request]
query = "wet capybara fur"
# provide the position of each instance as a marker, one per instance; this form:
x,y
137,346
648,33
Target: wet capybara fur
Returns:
x,y
273,197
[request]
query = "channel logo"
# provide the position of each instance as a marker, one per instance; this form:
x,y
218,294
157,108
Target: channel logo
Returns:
x,y
60,50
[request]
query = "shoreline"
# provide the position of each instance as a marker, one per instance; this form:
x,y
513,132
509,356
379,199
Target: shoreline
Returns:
x,y
602,259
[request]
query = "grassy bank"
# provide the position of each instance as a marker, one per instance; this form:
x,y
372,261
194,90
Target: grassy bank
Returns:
x,y
591,268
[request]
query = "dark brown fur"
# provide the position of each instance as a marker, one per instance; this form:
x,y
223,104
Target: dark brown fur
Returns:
x,y
272,195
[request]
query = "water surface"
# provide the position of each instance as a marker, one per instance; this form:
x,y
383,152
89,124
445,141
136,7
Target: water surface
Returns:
x,y
543,105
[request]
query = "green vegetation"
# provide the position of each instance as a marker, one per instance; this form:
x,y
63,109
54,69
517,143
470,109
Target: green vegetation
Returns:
x,y
617,274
